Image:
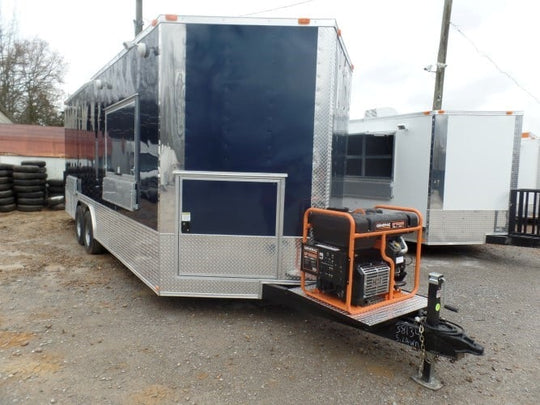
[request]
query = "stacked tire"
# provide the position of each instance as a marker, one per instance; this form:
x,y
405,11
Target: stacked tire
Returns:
x,y
29,181
55,194
7,194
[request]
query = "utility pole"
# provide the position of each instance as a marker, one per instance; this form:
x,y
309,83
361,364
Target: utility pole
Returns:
x,y
138,17
441,57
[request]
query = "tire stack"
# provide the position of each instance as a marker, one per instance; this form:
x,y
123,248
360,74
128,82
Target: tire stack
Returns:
x,y
29,184
55,194
7,195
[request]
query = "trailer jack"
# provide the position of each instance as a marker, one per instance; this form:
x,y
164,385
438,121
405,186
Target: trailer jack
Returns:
x,y
415,323
437,335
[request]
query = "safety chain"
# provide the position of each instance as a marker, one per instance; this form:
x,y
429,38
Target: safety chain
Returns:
x,y
422,344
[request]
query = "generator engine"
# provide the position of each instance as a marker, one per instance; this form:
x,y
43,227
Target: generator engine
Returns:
x,y
325,254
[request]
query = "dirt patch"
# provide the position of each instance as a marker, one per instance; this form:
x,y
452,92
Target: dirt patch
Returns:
x,y
13,339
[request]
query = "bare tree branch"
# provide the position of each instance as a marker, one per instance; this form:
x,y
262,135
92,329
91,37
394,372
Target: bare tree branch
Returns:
x,y
31,75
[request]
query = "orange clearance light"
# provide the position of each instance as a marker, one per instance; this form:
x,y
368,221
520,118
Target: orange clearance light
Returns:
x,y
171,17
441,111
509,112
154,22
525,134
427,112
339,32
304,21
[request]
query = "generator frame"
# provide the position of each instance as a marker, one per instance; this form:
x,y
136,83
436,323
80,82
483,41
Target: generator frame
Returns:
x,y
393,296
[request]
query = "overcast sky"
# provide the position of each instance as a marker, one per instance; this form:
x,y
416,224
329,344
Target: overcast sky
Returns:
x,y
493,58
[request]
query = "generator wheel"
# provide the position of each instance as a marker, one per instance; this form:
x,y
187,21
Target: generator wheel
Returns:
x,y
91,245
79,224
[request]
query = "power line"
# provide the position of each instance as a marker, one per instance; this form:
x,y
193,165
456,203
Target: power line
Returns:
x,y
483,54
278,8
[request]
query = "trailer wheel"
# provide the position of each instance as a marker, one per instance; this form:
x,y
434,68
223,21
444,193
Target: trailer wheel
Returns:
x,y
79,224
91,245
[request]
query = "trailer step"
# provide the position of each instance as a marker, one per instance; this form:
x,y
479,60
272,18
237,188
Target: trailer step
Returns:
x,y
378,315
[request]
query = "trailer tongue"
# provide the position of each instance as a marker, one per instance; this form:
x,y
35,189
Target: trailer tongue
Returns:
x,y
354,271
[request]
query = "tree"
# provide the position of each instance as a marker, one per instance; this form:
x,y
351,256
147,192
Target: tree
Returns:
x,y
31,75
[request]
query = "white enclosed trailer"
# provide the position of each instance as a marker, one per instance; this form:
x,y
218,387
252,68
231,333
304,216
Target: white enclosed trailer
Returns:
x,y
455,167
529,162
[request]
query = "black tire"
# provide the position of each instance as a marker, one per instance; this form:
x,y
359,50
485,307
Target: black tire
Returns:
x,y
58,207
6,173
7,200
6,186
28,169
32,194
91,245
29,182
5,166
30,201
55,200
6,193
29,176
39,163
55,183
26,189
7,208
6,180
56,190
29,208
79,224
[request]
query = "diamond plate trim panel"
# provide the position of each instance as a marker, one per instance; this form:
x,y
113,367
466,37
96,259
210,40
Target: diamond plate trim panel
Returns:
x,y
516,152
290,259
378,315
135,245
71,201
227,256
323,124
213,288
461,227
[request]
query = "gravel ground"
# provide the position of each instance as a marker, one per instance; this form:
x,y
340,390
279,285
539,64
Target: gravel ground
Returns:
x,y
80,329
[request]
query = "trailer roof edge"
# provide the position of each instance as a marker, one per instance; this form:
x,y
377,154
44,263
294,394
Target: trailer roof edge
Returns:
x,y
177,19
441,112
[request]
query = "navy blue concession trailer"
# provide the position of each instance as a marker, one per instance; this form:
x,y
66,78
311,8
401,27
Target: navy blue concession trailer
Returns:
x,y
197,150
205,157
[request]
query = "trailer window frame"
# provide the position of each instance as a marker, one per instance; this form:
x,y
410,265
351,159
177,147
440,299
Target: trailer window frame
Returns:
x,y
369,166
121,186
121,105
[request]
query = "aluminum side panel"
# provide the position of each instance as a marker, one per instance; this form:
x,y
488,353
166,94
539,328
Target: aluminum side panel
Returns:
x,y
323,119
479,163
463,227
135,245
172,94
